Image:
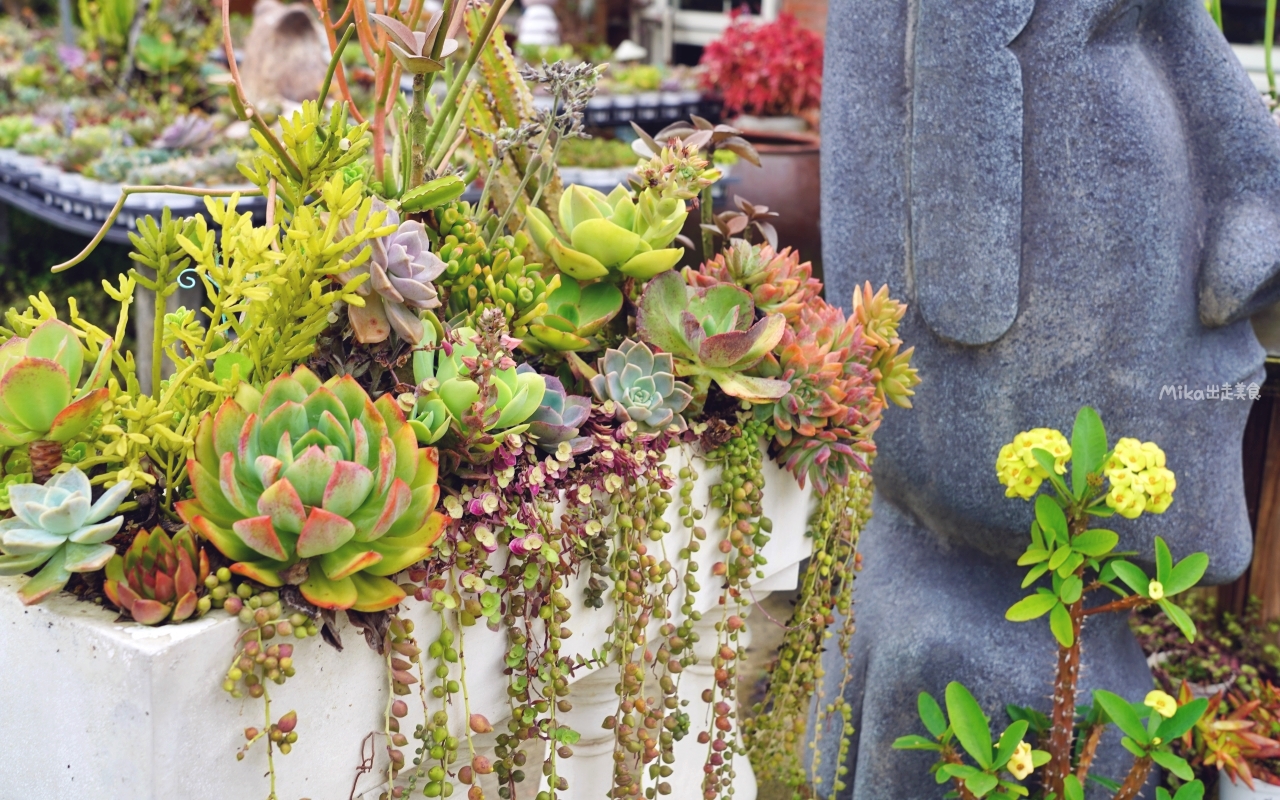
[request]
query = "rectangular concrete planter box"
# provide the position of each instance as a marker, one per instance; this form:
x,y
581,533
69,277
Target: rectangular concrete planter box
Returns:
x,y
95,708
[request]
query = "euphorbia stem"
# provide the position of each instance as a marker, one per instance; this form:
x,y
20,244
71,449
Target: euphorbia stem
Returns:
x,y
1090,749
45,457
1135,780
951,757
1064,706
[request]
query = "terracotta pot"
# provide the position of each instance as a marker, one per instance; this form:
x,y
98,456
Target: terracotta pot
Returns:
x,y
787,182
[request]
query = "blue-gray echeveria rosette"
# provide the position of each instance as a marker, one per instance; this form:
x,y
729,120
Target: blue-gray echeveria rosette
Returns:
x,y
559,418
642,386
59,528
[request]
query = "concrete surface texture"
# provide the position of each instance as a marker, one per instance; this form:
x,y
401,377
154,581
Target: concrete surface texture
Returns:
x,y
1080,200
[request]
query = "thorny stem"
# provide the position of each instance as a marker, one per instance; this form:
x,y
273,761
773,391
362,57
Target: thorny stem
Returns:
x,y
1130,602
1136,779
1064,689
951,757
1091,741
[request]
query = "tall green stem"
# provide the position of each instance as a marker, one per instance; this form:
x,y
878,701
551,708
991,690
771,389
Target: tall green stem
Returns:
x,y
1268,39
449,106
418,132
157,327
708,218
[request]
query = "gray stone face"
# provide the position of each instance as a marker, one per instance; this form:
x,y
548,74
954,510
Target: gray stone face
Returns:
x,y
1080,199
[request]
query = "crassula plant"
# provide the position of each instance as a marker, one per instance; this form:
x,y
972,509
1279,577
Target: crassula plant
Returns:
x,y
1069,560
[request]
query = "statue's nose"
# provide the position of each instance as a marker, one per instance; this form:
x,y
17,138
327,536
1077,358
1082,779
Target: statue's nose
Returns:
x,y
1235,149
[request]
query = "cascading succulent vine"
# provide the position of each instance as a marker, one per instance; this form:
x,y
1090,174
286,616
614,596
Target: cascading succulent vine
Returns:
x,y
315,484
401,268
459,377
42,399
642,386
713,334
559,418
610,237
825,420
59,528
778,281
158,578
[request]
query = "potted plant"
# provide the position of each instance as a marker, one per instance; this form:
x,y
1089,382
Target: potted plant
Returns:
x,y
539,472
1236,739
770,78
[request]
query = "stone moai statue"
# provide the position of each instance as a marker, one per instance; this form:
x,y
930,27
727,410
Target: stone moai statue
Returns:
x,y
1080,201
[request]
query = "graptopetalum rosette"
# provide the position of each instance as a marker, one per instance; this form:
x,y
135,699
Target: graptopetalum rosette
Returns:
x,y
315,484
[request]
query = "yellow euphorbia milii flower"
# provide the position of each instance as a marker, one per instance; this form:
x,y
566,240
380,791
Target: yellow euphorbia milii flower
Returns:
x,y
1020,764
1155,590
1161,702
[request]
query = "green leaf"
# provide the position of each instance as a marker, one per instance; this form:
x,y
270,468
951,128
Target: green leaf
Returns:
x,y
969,723
1060,624
1107,573
1103,511
1071,589
1182,720
1034,574
1029,608
1072,563
1173,763
565,735
931,714
1049,464
1180,618
1071,788
1088,448
914,742
1059,557
1191,791
1009,742
1164,561
1187,574
1132,747
982,784
1106,783
1163,793
1040,757
1052,520
1034,555
1132,575
1122,714
1037,539
1097,542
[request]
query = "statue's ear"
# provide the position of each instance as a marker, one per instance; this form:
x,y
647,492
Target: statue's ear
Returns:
x,y
966,166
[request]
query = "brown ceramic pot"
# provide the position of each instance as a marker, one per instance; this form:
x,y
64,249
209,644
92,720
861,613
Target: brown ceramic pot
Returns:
x,y
787,182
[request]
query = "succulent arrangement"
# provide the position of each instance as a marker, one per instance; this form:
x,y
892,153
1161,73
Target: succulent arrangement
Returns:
x,y
389,397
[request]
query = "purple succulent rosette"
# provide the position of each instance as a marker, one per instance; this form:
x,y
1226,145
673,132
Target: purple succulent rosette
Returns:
x,y
559,418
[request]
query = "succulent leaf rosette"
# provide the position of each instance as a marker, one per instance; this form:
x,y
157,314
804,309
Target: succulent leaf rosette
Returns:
x,y
59,528
315,484
41,394
713,334
446,386
575,313
778,281
559,418
158,578
642,386
610,237
401,268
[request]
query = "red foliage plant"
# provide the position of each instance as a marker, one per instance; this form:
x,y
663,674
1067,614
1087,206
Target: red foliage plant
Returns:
x,y
765,69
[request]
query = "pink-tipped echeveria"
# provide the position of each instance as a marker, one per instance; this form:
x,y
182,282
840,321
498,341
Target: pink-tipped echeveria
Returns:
x,y
158,578
446,386
43,401
713,334
642,386
59,528
559,418
610,237
401,269
314,484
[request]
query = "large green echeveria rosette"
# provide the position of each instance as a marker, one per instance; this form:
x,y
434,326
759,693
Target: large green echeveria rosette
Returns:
x,y
314,484
42,396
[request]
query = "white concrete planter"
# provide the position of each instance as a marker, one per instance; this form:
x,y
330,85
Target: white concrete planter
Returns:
x,y
1240,791
91,707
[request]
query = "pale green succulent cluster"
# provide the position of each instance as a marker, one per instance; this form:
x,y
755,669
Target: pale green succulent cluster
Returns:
x,y
611,237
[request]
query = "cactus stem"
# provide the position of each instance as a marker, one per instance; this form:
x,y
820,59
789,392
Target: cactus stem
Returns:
x,y
46,456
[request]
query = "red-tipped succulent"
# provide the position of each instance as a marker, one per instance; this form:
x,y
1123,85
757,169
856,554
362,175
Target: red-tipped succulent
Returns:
x,y
158,578
778,281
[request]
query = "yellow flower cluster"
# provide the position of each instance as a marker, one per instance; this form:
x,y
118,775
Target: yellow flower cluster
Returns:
x,y
1020,763
1139,480
1018,469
